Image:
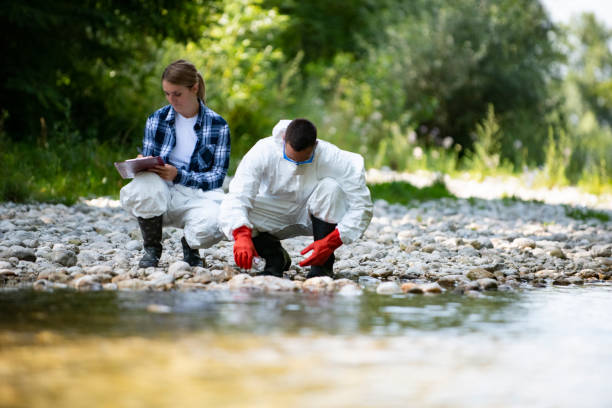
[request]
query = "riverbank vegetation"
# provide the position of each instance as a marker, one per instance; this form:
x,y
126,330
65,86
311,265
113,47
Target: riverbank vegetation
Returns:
x,y
490,87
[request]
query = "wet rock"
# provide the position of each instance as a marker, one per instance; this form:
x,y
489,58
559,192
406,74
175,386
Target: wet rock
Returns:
x,y
350,291
367,282
388,288
7,273
432,288
320,284
410,287
487,284
132,284
562,281
160,309
575,280
86,283
450,281
42,285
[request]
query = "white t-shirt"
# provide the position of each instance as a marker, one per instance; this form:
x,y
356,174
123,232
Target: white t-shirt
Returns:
x,y
186,140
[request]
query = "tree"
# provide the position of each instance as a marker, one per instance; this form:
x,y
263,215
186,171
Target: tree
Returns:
x,y
55,52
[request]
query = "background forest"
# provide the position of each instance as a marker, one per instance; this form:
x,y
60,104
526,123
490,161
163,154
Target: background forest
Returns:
x,y
487,87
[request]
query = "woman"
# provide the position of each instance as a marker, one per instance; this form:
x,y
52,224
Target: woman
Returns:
x,y
185,192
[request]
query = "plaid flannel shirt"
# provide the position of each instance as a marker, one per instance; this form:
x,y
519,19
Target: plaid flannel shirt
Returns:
x,y
210,158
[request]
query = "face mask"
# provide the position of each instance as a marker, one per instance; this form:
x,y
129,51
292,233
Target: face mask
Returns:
x,y
298,162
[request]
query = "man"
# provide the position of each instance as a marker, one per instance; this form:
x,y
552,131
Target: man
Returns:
x,y
291,184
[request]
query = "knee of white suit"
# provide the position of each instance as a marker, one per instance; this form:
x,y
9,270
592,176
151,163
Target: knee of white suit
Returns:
x,y
146,196
203,235
327,202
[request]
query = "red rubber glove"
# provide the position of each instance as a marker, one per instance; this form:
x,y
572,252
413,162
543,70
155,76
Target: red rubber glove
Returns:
x,y
323,248
244,250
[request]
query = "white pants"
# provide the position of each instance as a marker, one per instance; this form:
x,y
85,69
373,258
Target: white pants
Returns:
x,y
286,219
193,210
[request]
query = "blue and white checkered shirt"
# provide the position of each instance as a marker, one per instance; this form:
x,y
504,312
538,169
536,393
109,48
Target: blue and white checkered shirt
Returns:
x,y
210,158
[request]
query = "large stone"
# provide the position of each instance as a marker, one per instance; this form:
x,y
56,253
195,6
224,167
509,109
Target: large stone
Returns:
x,y
410,287
524,243
388,288
449,281
320,284
487,284
132,284
177,267
480,273
161,280
64,257
558,253
21,253
601,251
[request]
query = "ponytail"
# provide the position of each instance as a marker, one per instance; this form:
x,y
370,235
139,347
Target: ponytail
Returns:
x,y
201,88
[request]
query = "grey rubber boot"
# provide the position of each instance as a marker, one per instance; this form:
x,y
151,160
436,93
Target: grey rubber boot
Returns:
x,y
191,256
270,249
320,229
151,229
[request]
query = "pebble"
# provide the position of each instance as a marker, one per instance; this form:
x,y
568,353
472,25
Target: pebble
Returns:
x,y
463,246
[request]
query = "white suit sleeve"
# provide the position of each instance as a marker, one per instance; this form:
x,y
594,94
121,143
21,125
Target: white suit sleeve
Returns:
x,y
349,171
242,192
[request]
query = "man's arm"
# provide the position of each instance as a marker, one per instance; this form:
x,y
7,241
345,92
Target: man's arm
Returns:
x,y
242,191
349,171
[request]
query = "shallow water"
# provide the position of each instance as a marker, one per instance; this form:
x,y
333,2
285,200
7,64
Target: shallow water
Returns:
x,y
548,347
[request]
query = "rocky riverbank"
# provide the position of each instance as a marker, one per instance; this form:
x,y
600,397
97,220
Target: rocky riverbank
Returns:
x,y
464,245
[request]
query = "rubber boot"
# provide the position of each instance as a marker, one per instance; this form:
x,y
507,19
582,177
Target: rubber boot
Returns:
x,y
321,229
191,256
270,249
151,229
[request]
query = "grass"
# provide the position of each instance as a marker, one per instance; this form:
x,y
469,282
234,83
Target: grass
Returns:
x,y
61,172
509,200
404,193
584,214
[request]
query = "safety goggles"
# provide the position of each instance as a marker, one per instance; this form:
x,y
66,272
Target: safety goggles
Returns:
x,y
299,162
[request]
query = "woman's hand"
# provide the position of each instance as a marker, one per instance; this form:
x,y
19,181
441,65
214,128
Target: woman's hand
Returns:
x,y
167,171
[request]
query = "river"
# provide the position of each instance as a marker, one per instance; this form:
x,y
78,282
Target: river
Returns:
x,y
545,347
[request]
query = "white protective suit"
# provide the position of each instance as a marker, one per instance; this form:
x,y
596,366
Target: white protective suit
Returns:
x,y
271,194
193,210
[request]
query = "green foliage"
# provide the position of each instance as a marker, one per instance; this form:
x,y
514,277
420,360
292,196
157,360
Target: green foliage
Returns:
x,y
404,193
558,153
486,154
63,52
409,85
65,169
451,59
583,214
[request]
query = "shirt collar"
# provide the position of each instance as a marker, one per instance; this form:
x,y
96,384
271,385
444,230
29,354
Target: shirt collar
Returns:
x,y
171,116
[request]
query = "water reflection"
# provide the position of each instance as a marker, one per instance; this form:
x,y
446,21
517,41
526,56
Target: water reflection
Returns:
x,y
119,313
542,348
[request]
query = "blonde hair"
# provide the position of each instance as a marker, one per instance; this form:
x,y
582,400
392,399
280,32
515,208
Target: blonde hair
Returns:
x,y
184,73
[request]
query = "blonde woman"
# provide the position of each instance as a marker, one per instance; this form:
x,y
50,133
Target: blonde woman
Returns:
x,y
185,192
